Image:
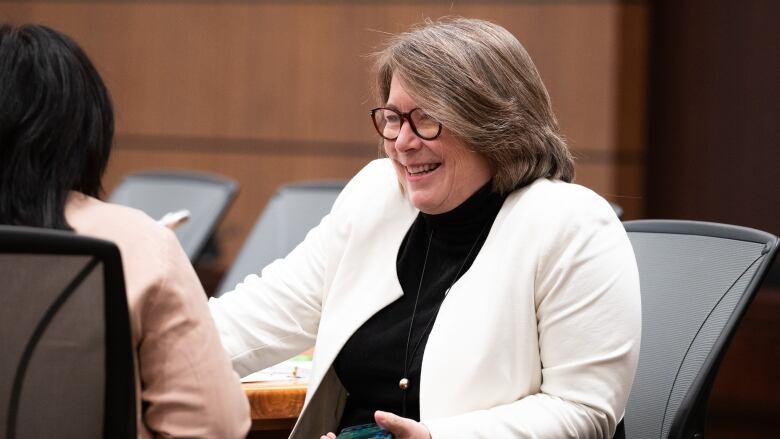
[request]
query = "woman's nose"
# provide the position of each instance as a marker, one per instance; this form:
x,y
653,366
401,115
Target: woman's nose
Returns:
x,y
406,139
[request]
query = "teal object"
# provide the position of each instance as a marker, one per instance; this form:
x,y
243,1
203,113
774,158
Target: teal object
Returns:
x,y
365,431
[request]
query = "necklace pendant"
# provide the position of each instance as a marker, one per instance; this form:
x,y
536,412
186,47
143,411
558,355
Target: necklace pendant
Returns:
x,y
403,384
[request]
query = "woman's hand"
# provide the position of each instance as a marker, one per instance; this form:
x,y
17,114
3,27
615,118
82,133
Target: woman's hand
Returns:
x,y
402,428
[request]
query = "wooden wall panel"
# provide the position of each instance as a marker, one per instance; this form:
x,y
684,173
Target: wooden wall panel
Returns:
x,y
268,70
714,113
271,91
601,177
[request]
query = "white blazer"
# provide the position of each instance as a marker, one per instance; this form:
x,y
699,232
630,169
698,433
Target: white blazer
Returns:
x,y
538,339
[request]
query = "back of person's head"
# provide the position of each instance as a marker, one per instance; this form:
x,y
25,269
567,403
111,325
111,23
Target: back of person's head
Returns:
x,y
476,78
56,125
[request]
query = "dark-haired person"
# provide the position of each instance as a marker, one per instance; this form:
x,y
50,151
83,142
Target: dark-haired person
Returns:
x,y
56,132
489,297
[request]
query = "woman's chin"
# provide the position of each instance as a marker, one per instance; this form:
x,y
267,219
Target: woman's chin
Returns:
x,y
424,203
418,201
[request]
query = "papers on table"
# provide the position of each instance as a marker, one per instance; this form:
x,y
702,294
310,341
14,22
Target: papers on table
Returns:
x,y
174,219
293,369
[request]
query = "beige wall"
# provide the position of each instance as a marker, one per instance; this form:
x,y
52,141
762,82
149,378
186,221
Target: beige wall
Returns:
x,y
268,92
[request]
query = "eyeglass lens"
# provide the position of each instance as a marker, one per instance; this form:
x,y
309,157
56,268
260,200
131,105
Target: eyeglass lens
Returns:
x,y
388,123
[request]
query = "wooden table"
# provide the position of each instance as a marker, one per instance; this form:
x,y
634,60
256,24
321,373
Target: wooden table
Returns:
x,y
275,405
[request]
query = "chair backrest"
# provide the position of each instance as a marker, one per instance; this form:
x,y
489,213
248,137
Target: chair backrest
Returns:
x,y
157,193
697,279
292,212
618,210
66,348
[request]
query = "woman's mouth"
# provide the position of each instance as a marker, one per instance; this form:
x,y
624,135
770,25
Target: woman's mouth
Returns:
x,y
422,169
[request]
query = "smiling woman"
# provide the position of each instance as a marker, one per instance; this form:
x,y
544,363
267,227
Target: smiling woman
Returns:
x,y
477,80
488,297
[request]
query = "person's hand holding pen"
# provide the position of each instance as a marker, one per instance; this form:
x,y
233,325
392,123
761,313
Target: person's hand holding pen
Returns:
x,y
172,220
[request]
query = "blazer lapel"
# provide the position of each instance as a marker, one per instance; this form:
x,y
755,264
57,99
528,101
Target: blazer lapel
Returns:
x,y
365,283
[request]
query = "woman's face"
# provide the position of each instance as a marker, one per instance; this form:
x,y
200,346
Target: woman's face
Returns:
x,y
439,174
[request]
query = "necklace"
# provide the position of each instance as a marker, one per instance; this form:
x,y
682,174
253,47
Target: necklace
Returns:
x,y
403,384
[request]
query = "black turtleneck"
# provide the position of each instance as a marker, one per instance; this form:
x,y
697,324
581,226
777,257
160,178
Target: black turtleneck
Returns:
x,y
371,363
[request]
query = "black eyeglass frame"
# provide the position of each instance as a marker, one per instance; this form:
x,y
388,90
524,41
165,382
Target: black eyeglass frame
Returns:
x,y
407,116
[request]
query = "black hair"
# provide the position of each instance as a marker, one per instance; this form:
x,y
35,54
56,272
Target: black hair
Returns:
x,y
56,125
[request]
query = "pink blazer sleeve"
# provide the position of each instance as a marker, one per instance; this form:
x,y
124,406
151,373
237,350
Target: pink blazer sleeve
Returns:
x,y
189,388
187,385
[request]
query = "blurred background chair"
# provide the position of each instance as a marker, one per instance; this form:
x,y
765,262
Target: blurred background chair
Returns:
x,y
618,210
697,280
205,196
293,211
66,348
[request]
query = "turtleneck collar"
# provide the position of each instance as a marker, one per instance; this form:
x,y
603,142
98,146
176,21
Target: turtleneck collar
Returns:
x,y
468,219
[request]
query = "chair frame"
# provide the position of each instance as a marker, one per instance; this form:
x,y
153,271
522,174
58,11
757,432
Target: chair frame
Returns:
x,y
119,400
689,419
230,186
231,277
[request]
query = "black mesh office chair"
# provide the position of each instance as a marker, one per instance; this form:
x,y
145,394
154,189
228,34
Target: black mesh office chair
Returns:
x,y
697,280
205,196
66,347
291,213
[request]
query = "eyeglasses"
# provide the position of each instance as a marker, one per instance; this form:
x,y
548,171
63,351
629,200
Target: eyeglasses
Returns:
x,y
388,123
